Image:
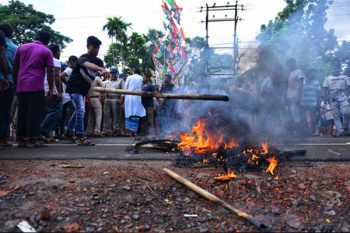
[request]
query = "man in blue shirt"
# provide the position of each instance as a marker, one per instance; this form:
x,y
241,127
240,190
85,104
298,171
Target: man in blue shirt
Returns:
x,y
6,96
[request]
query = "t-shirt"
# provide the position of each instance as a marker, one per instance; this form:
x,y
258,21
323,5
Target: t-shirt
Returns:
x,y
293,84
311,89
148,101
33,59
9,55
81,79
337,86
57,64
65,95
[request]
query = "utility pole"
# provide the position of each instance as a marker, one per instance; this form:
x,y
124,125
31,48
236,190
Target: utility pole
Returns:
x,y
236,8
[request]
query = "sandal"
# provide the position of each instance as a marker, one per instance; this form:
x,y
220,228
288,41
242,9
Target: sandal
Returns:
x,y
85,142
40,145
5,144
70,137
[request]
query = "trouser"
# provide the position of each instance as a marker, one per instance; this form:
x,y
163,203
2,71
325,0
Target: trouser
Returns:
x,y
340,110
111,112
122,119
66,113
6,98
95,116
294,116
52,116
294,109
77,119
309,118
150,123
31,108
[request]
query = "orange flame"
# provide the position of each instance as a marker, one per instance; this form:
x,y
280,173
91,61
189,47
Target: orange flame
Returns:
x,y
272,166
230,175
265,148
200,141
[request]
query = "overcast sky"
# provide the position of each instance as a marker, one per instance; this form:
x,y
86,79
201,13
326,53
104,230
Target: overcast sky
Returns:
x,y
79,19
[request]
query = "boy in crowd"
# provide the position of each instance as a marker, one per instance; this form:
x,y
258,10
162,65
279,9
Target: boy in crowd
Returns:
x,y
79,85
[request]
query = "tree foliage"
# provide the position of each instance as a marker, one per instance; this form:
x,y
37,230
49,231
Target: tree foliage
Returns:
x,y
299,31
116,29
26,22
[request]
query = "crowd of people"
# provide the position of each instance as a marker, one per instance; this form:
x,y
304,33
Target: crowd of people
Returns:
x,y
301,103
43,100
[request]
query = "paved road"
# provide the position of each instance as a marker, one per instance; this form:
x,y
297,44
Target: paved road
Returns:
x,y
318,149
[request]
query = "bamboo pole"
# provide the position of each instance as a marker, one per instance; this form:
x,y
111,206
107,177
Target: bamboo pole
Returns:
x,y
215,199
163,95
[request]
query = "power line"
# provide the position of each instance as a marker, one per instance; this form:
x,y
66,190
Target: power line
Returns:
x,y
223,8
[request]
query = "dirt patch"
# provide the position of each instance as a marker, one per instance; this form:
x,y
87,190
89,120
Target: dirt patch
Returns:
x,y
115,196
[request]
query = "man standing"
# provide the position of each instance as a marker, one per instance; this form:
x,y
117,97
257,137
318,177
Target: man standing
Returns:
x,y
31,62
111,121
336,89
53,104
79,85
94,109
295,84
148,103
168,107
67,105
3,64
6,96
134,109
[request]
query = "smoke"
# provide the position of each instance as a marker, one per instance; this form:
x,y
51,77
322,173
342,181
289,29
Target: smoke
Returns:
x,y
257,110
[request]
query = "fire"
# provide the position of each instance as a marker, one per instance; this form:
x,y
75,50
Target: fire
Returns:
x,y
200,141
272,166
230,175
265,148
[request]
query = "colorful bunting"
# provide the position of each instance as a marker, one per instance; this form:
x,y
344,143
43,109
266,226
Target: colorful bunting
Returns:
x,y
170,55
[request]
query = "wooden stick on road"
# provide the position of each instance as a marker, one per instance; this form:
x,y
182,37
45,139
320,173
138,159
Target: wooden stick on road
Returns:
x,y
213,198
163,95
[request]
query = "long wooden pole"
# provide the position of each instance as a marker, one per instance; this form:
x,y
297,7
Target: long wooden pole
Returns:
x,y
213,198
163,95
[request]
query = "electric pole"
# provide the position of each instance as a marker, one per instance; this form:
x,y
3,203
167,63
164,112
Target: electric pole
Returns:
x,y
236,8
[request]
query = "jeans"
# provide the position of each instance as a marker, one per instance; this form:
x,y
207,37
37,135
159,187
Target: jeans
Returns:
x,y
6,98
77,120
52,116
340,110
66,113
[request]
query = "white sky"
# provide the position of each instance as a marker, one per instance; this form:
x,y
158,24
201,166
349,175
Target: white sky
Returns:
x,y
79,19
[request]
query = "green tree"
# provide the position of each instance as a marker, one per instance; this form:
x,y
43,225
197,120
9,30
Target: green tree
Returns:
x,y
117,29
26,22
299,31
136,50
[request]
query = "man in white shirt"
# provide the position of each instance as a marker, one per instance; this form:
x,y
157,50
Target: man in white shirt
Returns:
x,y
295,84
67,105
134,109
53,104
336,89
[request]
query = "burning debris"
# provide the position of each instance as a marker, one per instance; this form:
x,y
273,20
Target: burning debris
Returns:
x,y
213,147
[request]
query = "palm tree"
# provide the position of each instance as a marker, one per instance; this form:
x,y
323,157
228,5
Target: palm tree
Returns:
x,y
117,28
